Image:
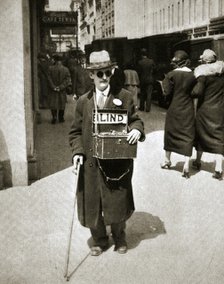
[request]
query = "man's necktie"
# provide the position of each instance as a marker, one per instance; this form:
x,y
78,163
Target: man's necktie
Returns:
x,y
101,101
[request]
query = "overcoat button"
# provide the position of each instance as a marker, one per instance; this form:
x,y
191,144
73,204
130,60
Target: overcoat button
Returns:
x,y
90,164
90,150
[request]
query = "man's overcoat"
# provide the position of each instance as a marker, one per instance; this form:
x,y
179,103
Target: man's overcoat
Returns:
x,y
94,194
59,76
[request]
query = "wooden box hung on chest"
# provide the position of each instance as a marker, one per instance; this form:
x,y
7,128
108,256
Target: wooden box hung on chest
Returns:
x,y
110,131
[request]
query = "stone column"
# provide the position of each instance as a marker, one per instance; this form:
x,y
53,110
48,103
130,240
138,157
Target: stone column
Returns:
x,y
13,139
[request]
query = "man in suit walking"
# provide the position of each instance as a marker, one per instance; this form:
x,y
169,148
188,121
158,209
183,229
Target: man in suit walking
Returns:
x,y
59,80
145,70
101,202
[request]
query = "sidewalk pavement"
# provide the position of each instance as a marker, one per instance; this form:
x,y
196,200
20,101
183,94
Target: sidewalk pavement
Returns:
x,y
53,150
175,236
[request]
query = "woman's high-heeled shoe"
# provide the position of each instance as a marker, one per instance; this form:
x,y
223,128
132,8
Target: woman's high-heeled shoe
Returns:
x,y
166,165
218,175
186,174
196,165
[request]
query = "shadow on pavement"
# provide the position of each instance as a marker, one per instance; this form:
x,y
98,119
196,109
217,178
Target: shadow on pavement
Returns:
x,y
142,226
179,168
205,166
208,166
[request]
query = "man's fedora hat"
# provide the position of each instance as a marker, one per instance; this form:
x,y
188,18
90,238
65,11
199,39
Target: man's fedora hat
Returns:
x,y
100,60
57,57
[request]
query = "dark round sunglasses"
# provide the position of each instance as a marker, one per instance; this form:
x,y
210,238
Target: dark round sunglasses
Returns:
x,y
100,74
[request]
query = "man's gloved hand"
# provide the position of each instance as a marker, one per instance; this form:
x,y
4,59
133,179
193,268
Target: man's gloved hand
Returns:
x,y
133,136
57,89
77,159
75,97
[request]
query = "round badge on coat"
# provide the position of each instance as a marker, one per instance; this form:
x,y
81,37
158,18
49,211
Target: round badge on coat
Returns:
x,y
117,102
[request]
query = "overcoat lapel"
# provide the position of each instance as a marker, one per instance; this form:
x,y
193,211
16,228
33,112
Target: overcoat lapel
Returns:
x,y
109,101
90,103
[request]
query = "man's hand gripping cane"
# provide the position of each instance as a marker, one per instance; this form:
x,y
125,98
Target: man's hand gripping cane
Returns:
x,y
77,161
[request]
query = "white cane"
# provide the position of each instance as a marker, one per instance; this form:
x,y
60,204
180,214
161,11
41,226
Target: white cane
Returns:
x,y
71,228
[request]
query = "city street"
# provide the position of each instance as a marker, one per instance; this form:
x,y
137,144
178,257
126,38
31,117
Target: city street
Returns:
x,y
174,49
175,236
53,150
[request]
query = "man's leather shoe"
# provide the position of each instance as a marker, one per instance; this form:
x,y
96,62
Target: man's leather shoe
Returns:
x,y
122,249
96,251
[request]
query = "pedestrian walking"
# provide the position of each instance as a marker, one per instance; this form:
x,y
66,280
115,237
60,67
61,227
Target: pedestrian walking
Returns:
x,y
117,79
179,132
145,71
210,111
132,82
43,75
59,80
80,79
102,202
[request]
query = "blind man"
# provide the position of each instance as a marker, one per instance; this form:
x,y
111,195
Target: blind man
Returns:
x,y
102,202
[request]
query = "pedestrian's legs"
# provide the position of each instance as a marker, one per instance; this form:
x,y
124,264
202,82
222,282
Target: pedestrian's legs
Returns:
x,y
218,162
118,233
142,98
186,164
99,234
167,162
54,116
186,168
149,97
61,115
197,163
218,167
199,155
167,156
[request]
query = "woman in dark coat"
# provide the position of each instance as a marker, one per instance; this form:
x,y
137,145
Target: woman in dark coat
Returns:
x,y
179,126
210,113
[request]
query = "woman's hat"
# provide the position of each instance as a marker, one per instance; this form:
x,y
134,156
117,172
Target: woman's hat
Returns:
x,y
208,56
179,56
180,59
100,60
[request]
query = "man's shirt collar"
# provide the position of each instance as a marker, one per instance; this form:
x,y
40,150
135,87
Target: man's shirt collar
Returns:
x,y
105,92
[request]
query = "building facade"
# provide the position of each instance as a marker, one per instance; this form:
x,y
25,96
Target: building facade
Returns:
x,y
87,27
144,18
20,44
122,25
181,15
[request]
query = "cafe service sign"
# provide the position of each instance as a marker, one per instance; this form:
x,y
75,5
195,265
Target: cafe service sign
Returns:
x,y
59,18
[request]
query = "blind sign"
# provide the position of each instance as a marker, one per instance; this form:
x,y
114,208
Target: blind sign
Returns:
x,y
110,118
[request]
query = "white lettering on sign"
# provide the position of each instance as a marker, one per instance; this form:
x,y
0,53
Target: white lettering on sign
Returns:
x,y
110,118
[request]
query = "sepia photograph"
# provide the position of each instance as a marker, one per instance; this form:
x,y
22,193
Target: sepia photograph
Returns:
x,y
112,141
